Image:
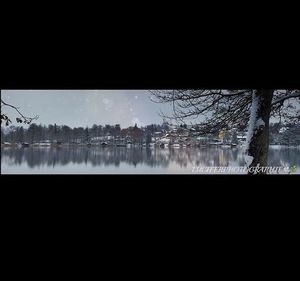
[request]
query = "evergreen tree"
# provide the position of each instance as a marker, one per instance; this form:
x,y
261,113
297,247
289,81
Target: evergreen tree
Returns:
x,y
87,135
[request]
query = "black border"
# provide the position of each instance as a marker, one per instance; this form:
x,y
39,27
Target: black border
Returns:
x,y
159,67
148,77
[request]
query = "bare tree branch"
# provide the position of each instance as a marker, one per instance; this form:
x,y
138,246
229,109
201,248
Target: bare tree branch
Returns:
x,y
223,108
286,96
220,108
23,119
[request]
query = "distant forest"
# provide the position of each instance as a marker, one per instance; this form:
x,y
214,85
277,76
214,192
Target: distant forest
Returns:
x,y
37,133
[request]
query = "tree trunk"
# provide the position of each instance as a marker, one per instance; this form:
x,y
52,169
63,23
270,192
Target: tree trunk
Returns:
x,y
258,135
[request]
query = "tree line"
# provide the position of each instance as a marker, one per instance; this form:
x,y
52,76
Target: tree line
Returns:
x,y
37,133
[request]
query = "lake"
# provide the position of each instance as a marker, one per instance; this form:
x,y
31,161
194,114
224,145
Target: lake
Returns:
x,y
135,160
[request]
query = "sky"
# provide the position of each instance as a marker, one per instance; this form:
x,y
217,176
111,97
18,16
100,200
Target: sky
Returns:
x,y
81,108
86,107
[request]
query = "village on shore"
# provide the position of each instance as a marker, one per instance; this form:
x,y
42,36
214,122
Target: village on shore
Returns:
x,y
162,136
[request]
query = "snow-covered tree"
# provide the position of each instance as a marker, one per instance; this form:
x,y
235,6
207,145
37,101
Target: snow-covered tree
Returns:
x,y
219,109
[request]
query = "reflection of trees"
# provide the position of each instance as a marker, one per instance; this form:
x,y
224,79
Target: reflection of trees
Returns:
x,y
84,155
215,157
106,156
284,156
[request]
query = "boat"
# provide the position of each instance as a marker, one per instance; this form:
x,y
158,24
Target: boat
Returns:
x,y
104,143
25,144
6,144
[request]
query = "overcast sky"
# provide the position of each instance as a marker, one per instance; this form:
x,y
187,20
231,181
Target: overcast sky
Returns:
x,y
81,108
86,107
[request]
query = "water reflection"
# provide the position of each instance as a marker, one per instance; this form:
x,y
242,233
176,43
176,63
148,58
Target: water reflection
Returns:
x,y
161,158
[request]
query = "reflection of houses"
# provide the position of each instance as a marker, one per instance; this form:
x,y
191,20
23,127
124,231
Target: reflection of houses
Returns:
x,y
222,135
222,158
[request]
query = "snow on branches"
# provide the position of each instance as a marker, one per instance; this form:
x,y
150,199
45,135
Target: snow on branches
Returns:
x,y
20,119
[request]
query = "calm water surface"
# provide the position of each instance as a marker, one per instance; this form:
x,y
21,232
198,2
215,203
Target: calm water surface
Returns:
x,y
122,160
